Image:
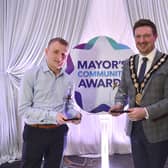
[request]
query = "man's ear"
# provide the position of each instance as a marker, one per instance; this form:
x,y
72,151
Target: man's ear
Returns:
x,y
46,51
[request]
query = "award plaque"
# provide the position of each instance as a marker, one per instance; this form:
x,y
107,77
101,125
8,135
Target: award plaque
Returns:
x,y
119,111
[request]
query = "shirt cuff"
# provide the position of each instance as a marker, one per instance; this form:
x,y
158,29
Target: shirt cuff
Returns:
x,y
147,114
51,116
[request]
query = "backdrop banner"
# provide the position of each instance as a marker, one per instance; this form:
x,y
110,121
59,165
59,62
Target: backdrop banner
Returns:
x,y
96,68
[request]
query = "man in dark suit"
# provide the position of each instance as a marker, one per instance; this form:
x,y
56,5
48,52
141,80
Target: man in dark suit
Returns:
x,y
144,85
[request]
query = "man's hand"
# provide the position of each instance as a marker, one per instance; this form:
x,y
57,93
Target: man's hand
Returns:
x,y
137,113
60,118
116,107
78,119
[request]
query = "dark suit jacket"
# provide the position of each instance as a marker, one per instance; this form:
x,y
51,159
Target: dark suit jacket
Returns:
x,y
155,99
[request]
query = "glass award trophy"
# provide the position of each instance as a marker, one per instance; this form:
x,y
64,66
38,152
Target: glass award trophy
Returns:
x,y
68,109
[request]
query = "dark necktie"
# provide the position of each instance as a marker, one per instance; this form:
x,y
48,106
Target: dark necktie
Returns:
x,y
142,69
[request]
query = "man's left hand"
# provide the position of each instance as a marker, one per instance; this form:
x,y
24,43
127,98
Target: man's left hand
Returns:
x,y
137,113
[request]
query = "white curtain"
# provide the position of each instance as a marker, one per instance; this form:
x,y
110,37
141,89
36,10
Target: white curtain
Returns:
x,y
108,18
26,27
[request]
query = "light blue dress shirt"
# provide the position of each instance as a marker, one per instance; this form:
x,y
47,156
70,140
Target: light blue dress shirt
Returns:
x,y
42,95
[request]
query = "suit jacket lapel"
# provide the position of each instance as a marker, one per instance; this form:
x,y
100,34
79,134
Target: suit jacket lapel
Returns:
x,y
136,62
156,58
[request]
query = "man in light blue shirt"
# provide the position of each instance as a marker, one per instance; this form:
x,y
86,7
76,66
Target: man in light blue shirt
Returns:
x,y
43,100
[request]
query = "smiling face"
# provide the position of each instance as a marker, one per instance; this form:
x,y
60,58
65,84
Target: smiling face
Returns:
x,y
56,56
145,39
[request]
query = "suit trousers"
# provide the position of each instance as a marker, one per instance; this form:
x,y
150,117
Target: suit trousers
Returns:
x,y
146,154
40,143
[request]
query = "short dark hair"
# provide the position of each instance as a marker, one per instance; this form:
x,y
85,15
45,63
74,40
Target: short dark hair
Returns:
x,y
59,39
145,22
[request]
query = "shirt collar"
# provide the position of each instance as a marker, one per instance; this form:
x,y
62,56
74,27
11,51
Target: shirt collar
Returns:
x,y
150,56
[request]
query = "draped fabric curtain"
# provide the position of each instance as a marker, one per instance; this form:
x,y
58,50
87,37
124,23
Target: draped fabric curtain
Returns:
x,y
157,12
26,27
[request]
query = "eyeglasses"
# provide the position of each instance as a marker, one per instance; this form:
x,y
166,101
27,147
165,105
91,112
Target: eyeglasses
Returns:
x,y
144,36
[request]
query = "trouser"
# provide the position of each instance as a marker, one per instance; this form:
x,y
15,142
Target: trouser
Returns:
x,y
145,154
40,143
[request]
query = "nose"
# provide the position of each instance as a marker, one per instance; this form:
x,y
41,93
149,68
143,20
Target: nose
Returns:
x,y
141,39
60,57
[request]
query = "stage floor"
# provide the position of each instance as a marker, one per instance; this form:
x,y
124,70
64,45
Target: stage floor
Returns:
x,y
115,161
